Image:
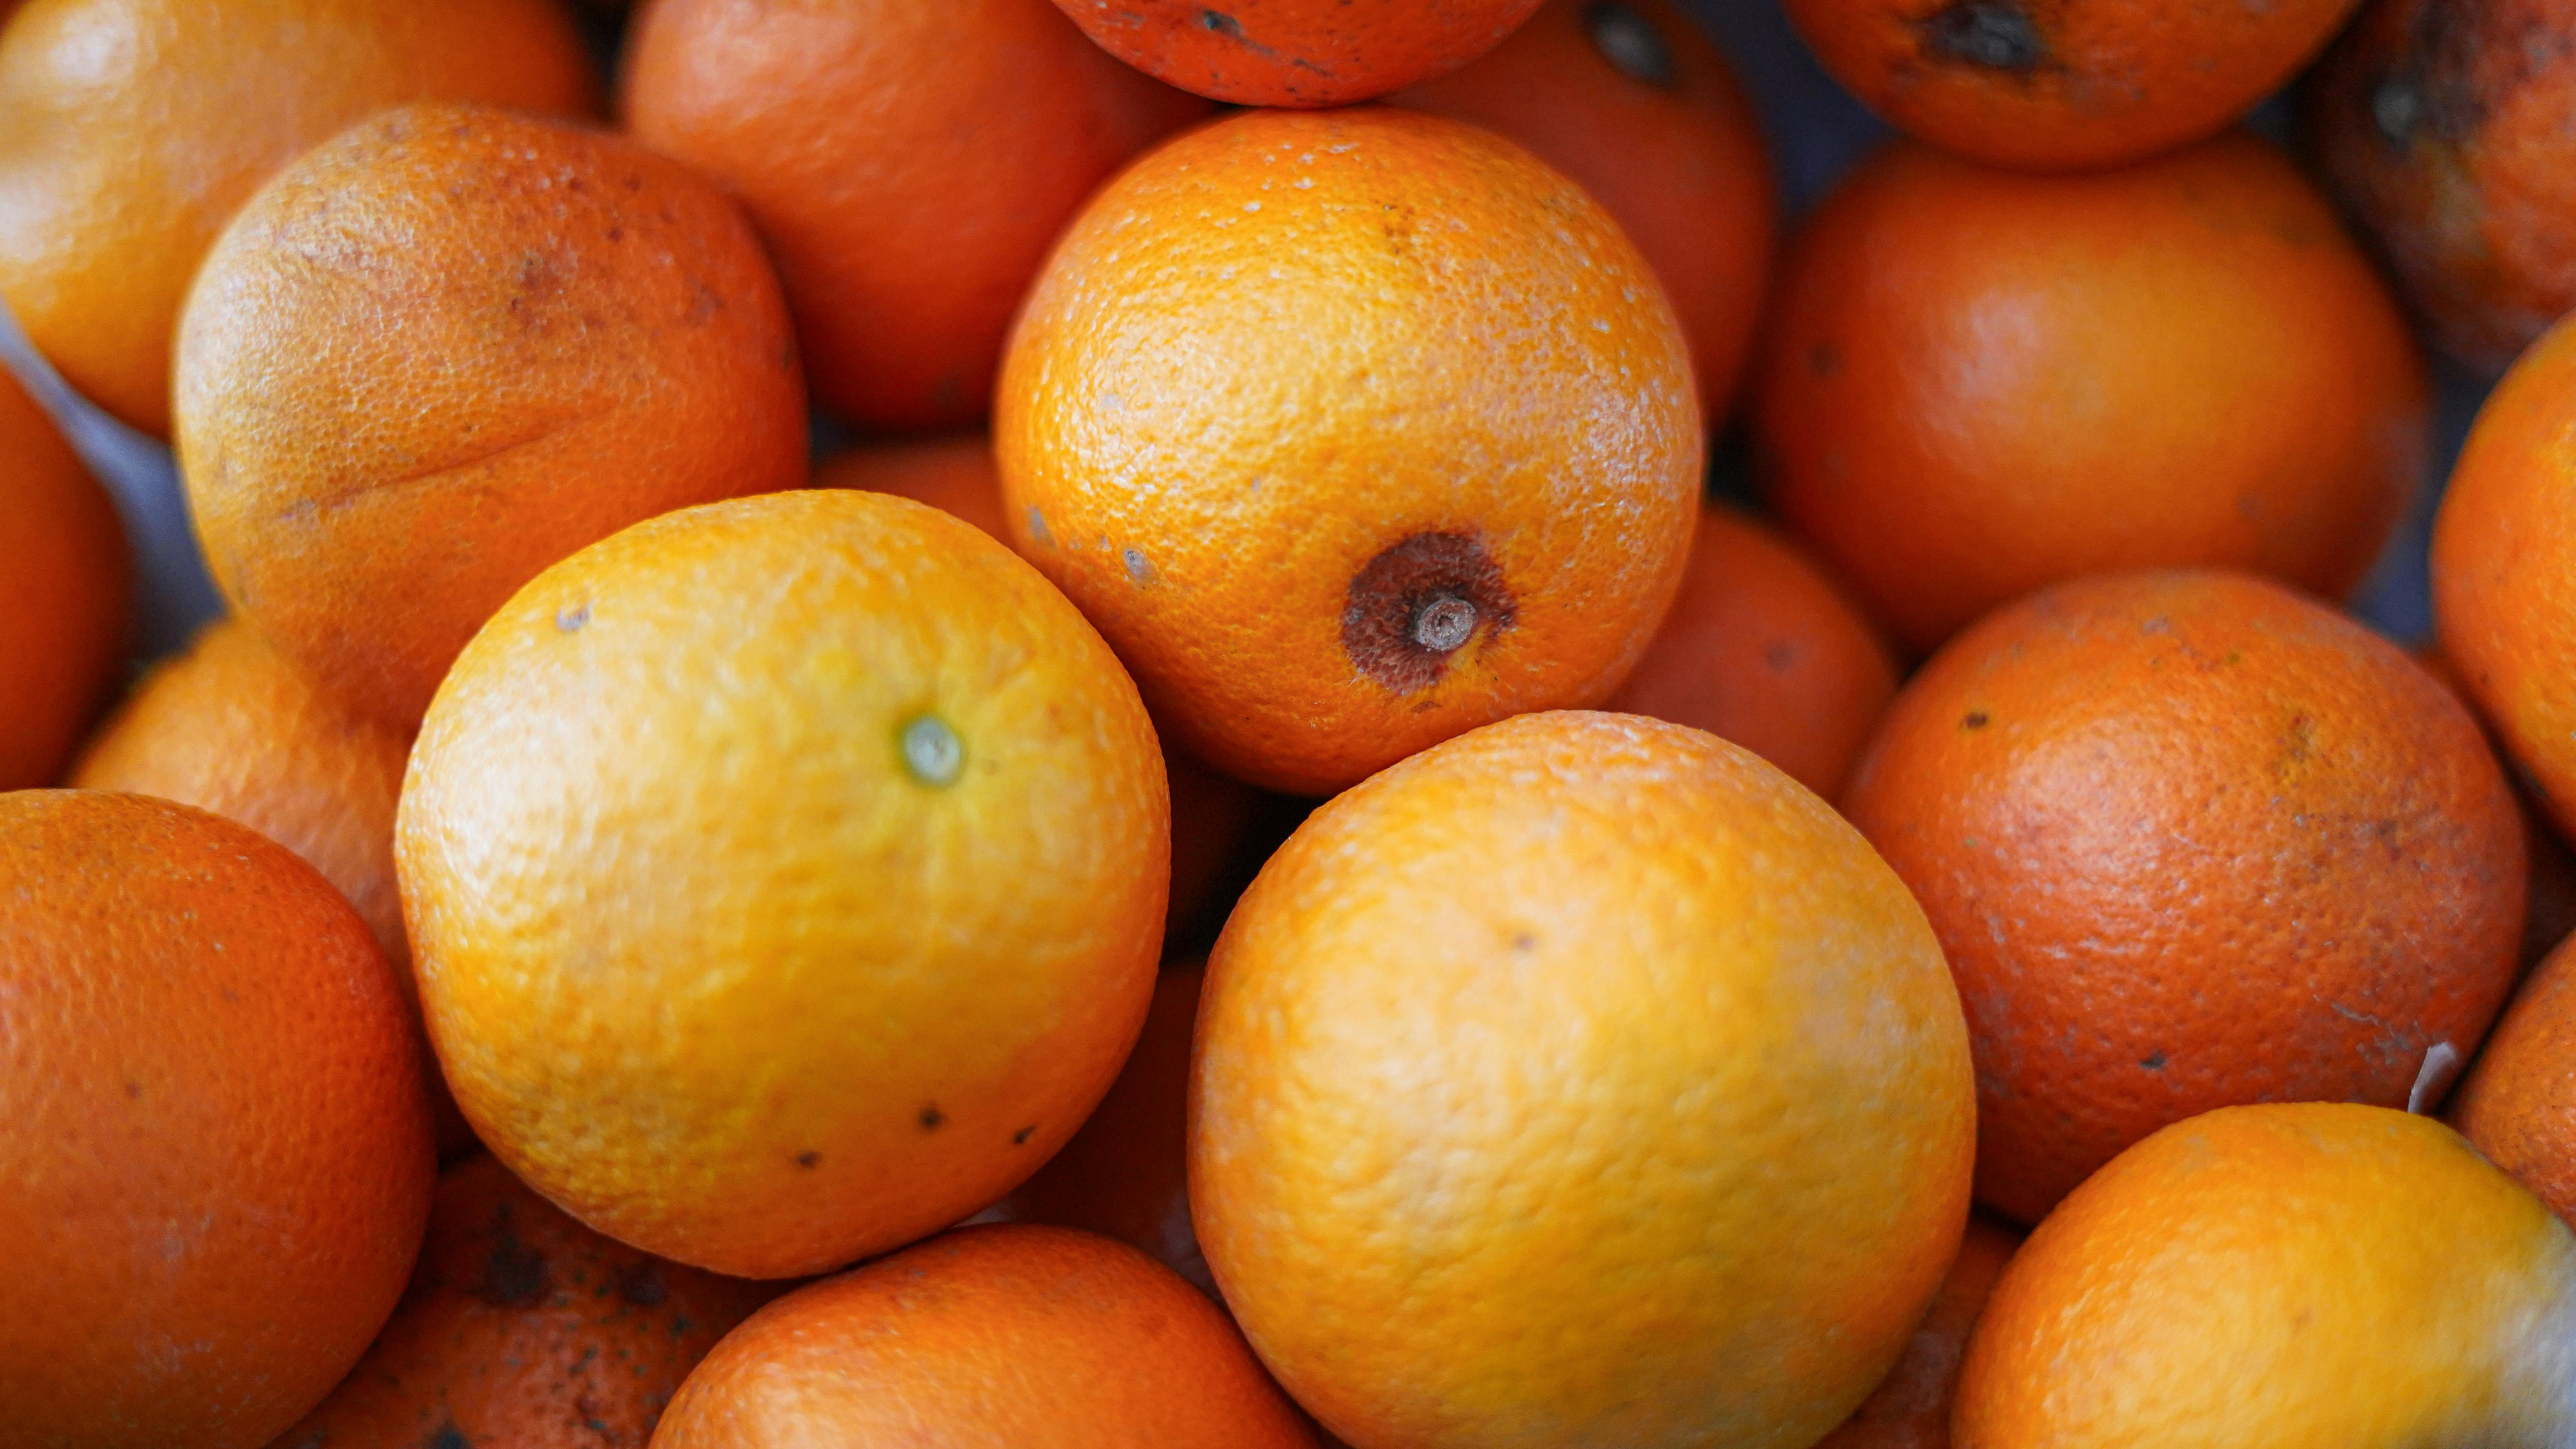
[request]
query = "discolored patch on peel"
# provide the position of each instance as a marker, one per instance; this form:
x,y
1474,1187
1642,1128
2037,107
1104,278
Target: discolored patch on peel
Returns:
x,y
1418,603
1630,43
448,1437
514,1274
1988,34
642,1284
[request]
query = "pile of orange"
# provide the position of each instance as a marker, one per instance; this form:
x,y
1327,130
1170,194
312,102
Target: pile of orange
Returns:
x,y
1015,722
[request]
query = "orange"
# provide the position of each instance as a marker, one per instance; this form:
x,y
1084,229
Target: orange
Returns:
x,y
1125,1174
1582,1080
66,593
2445,128
988,1336
908,164
218,1157
2519,1102
2191,840
1351,430
1910,1408
130,131
2549,914
1764,649
448,348
1630,100
2301,1276
231,728
2504,570
1296,52
1210,813
784,878
2047,85
522,1328
1978,383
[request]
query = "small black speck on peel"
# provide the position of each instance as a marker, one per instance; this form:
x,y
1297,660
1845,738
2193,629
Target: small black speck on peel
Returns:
x,y
1021,1137
1976,719
932,1117
809,1160
514,1274
2153,1061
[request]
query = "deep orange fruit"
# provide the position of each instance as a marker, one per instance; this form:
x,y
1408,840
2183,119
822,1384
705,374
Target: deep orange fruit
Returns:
x,y
2449,128
130,131
218,1158
1125,1175
1978,383
1296,52
1429,456
2519,1102
609,345
2298,1274
523,1328
784,878
1629,99
909,165
1763,648
2191,840
1910,1408
1584,1072
988,1336
2047,85
2504,570
65,593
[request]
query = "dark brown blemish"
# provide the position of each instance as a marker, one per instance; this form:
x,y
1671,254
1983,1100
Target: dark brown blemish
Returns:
x,y
641,1284
1976,720
2153,1061
448,1437
1780,655
1994,34
931,1117
134,1091
1222,23
1418,603
1630,43
514,1274
1825,359
809,1160
1021,1137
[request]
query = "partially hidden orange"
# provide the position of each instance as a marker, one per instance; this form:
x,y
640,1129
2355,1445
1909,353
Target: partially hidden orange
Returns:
x,y
784,878
1910,1408
908,165
2191,840
66,593
522,1328
1296,52
1977,383
131,130
2314,1275
1630,99
1006,1334
2518,1103
1580,1080
444,350
1763,647
218,1159
1351,430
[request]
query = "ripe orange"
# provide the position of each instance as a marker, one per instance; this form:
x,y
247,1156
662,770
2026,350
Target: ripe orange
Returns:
x,y
1296,52
1979,383
1581,1076
218,1157
130,131
2192,840
2549,912
2519,1102
908,164
1910,1408
2504,570
2046,85
2307,1276
448,348
1125,1175
1629,99
65,592
2445,126
1351,430
231,728
988,1336
1762,648
785,878
522,1328
1210,812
